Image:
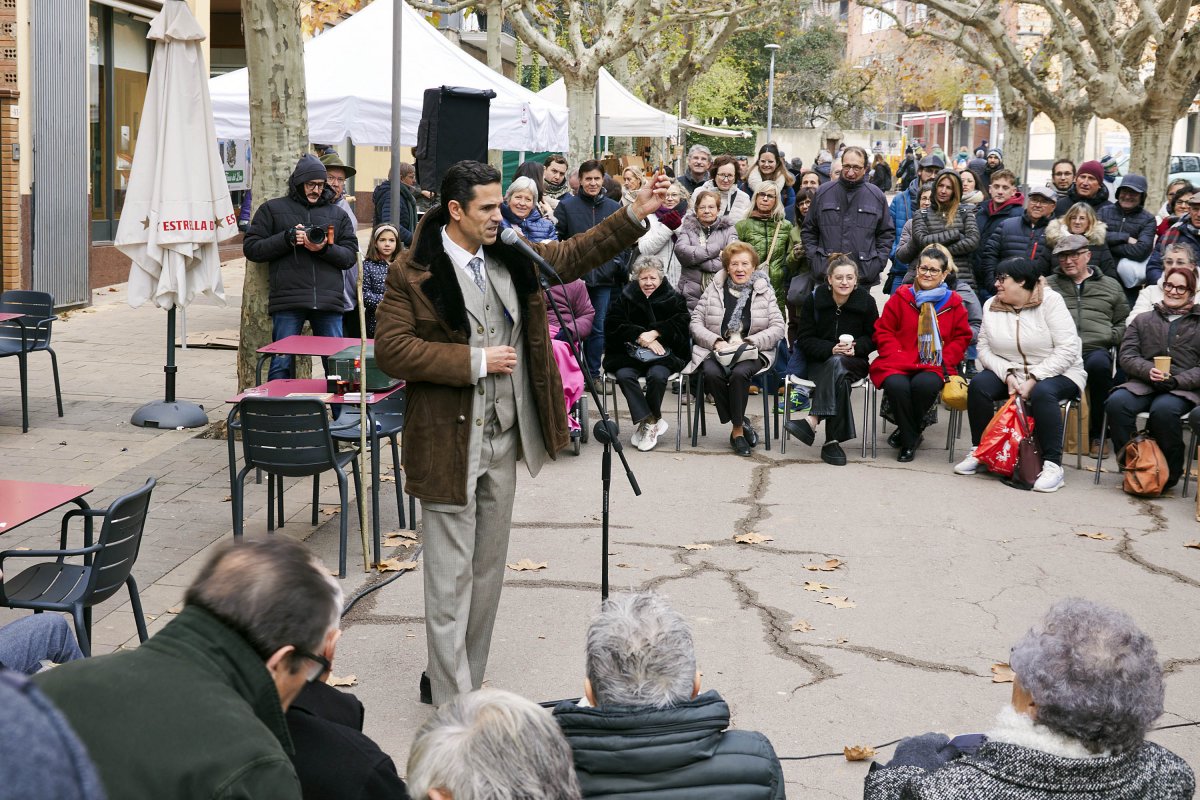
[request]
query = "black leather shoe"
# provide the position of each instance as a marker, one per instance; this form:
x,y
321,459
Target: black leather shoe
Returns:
x,y
832,453
426,690
907,454
740,445
751,435
894,439
801,430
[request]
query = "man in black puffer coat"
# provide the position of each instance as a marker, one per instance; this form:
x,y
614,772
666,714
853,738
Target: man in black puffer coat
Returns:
x,y
1019,237
652,734
1131,230
306,276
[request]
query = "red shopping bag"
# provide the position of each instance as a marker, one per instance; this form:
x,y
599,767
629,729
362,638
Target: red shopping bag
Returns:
x,y
998,446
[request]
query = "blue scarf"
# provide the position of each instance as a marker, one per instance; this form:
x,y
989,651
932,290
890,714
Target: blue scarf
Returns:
x,y
929,338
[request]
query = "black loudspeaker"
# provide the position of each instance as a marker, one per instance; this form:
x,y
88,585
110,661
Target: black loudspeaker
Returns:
x,y
454,127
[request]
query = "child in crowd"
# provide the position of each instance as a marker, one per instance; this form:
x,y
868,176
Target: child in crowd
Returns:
x,y
380,253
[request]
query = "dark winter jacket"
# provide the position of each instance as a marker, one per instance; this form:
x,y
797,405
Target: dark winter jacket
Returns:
x,y
374,283
960,237
382,199
1149,335
699,253
690,183
685,751
192,714
988,217
850,218
534,227
881,176
574,305
901,210
822,322
1003,771
632,314
1097,201
333,757
1182,232
906,173
1101,258
299,278
1097,305
1136,224
577,213
1014,237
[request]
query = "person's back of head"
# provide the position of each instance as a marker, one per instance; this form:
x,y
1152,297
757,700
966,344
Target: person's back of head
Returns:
x,y
491,745
640,654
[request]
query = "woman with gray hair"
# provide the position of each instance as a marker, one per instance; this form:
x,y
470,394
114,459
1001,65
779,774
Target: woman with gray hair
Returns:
x,y
520,210
1088,686
646,339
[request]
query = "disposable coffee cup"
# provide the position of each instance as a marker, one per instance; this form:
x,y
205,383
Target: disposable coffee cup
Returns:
x,y
845,338
1163,364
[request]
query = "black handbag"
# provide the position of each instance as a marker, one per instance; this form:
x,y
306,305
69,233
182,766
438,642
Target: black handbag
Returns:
x,y
645,355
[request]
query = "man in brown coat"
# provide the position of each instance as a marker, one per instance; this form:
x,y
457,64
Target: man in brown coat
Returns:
x,y
463,321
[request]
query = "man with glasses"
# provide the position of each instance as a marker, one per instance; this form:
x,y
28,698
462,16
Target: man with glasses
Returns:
x,y
849,215
1022,236
1098,306
198,710
1062,176
1089,188
292,235
337,174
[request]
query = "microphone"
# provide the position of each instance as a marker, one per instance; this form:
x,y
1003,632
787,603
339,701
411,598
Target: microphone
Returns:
x,y
512,239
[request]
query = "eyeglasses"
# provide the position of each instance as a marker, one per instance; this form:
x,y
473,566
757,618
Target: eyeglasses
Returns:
x,y
323,664
1174,288
1061,174
930,270
310,186
1065,257
853,167
336,179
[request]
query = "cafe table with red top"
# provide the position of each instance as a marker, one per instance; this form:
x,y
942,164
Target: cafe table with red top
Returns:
x,y
299,345
22,501
5,316
316,387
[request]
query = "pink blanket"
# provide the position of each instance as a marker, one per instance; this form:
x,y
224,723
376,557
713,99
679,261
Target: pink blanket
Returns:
x,y
572,377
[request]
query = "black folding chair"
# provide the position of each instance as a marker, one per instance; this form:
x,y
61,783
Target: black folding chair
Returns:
x,y
107,566
28,334
389,424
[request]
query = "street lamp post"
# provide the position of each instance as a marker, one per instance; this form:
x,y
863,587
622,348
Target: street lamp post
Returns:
x,y
771,91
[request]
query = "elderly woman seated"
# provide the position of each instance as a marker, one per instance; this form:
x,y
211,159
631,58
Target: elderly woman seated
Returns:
x,y
1088,686
1172,329
646,729
735,327
1028,345
836,332
646,337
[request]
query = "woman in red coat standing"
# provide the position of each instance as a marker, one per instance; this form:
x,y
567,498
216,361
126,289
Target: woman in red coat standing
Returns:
x,y
922,331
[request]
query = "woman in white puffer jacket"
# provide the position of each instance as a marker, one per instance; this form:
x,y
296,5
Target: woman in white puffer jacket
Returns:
x,y
1028,345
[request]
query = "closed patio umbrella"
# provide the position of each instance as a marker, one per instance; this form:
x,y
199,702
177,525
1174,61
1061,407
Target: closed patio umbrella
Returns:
x,y
177,208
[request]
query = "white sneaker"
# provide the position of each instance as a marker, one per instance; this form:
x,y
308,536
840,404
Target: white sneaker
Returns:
x,y
1050,479
660,427
968,465
649,438
639,431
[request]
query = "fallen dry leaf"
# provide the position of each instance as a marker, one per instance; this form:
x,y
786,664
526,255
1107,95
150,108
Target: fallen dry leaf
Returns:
x,y
395,565
1094,535
329,511
175,609
814,586
752,538
1193,545
700,546
623,566
838,602
1002,673
859,752
228,499
349,680
802,626
842,641
526,564
387,478
829,566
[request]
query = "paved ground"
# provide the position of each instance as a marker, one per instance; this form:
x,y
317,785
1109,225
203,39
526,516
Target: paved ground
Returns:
x,y
945,572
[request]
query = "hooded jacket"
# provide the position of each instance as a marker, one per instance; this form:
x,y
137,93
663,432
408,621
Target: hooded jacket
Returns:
x,y
1097,305
192,714
683,751
699,253
632,314
850,218
1039,339
1124,225
1015,237
577,213
1097,201
1101,256
300,278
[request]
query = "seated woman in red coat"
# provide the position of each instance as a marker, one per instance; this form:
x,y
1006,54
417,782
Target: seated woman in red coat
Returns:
x,y
922,336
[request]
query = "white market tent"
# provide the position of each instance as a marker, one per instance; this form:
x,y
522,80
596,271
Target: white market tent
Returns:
x,y
348,73
621,113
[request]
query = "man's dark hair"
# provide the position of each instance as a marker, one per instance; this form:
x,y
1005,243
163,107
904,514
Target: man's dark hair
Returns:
x,y
1066,161
461,179
591,165
554,158
856,149
1021,270
272,591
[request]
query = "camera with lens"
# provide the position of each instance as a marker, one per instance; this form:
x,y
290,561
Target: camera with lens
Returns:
x,y
314,233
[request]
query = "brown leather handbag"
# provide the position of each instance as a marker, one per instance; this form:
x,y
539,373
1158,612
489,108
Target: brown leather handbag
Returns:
x,y
1029,454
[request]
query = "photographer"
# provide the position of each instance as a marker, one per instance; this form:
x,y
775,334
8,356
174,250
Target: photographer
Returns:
x,y
292,235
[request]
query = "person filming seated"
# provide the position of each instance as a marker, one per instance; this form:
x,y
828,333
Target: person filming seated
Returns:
x,y
837,326
737,319
647,320
645,729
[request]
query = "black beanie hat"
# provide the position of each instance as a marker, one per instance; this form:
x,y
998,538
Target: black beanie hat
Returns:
x,y
308,168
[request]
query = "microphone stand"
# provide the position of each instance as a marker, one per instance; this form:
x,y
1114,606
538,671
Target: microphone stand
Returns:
x,y
604,432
